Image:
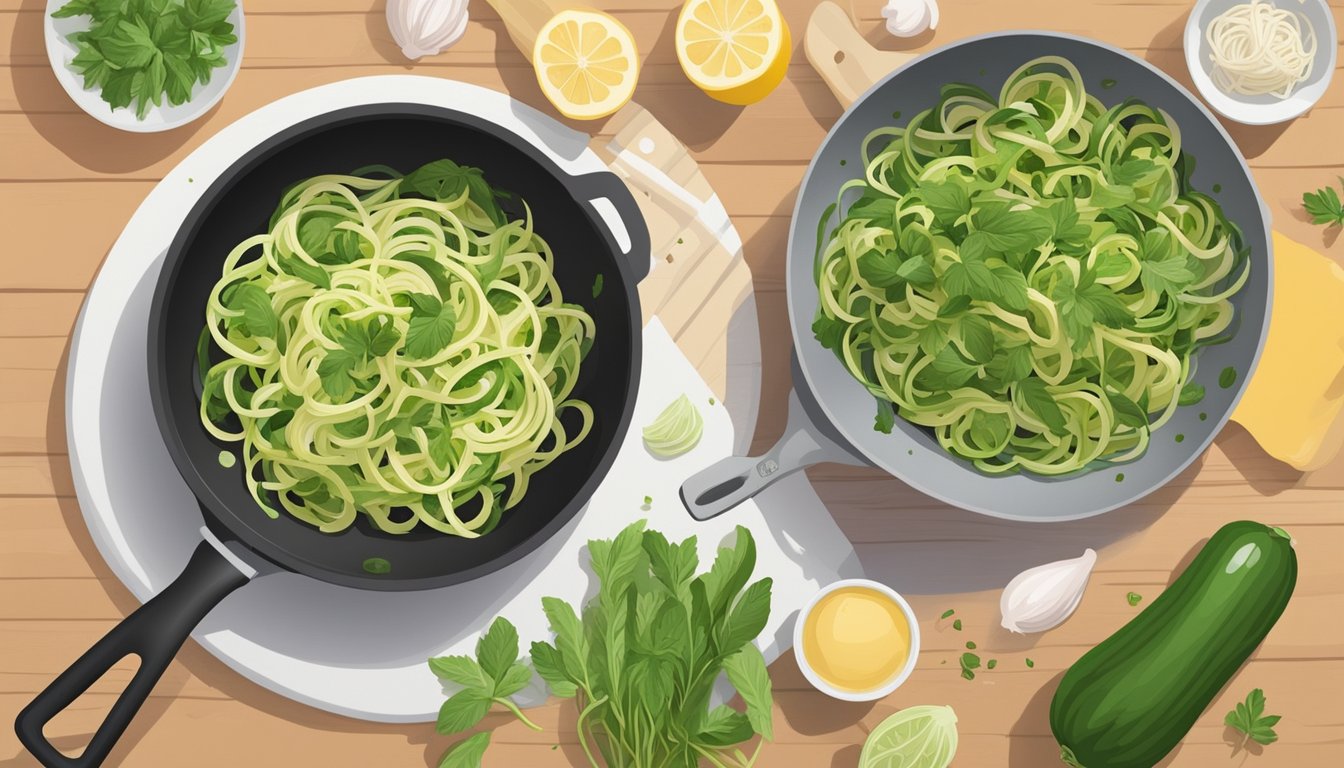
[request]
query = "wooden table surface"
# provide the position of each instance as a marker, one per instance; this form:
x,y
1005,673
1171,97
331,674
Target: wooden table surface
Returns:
x,y
68,183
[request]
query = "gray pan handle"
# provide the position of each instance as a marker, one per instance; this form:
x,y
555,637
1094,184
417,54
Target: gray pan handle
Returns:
x,y
727,483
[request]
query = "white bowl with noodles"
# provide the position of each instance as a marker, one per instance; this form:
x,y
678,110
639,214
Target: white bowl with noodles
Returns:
x,y
163,117
1263,109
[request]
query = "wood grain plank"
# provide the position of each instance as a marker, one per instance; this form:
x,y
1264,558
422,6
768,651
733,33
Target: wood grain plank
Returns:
x,y
29,156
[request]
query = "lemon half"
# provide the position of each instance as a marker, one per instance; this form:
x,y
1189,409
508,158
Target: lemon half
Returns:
x,y
586,63
736,51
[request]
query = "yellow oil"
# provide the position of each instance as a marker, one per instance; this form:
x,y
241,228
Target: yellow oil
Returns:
x,y
856,639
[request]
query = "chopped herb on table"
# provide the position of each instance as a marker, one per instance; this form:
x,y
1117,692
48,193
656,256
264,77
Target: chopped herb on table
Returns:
x,y
1133,598
136,52
969,662
1250,719
970,645
1031,663
992,663
1324,206
957,625
947,614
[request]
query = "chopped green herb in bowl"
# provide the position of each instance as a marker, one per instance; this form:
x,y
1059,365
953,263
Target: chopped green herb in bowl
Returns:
x,y
137,64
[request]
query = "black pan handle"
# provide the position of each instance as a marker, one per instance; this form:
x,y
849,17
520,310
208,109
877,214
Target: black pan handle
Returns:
x,y
605,185
153,632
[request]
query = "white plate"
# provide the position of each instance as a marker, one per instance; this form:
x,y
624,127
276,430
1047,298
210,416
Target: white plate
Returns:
x,y
60,51
1266,109
355,652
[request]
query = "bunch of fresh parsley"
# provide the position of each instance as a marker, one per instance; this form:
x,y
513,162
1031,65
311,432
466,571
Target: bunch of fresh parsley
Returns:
x,y
1324,206
138,51
641,659
1250,719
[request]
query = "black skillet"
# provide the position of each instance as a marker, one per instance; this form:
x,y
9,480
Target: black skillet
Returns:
x,y
237,206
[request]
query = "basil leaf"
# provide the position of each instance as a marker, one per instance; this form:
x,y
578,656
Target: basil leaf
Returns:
x,y
1037,398
258,317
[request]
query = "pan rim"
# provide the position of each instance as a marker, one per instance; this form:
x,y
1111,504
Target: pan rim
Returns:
x,y
800,327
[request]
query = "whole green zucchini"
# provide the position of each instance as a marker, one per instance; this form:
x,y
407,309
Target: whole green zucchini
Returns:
x,y
1129,701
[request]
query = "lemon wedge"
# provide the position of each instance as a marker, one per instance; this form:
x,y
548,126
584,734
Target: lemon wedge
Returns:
x,y
586,63
736,51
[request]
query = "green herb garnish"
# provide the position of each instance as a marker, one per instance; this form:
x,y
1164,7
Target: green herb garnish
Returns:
x,y
947,614
1180,438
640,659
377,565
648,500
969,662
1133,598
1250,719
957,625
1324,206
1108,83
491,678
970,644
597,285
1119,477
1227,377
136,52
1031,663
992,663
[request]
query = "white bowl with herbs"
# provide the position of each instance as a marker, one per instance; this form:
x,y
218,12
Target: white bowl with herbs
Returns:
x,y
145,65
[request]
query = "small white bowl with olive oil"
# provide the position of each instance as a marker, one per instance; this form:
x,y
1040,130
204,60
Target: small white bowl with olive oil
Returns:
x,y
856,640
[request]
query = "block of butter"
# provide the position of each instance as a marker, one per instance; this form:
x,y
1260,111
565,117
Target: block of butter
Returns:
x,y
1293,403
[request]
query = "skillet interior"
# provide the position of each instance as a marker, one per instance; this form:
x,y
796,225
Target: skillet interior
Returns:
x,y
911,453
404,137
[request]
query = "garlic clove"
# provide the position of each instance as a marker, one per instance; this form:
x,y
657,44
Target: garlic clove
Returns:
x,y
426,27
1043,597
907,18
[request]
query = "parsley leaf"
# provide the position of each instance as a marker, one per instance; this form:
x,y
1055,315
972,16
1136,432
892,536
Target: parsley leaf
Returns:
x,y
358,342
1250,719
1324,206
1005,229
881,268
1085,303
139,51
446,180
949,200
433,323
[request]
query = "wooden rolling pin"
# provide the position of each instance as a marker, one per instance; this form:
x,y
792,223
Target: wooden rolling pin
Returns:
x,y
699,279
1294,404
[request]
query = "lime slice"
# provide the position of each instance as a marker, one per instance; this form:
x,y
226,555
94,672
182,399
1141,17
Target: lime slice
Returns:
x,y
917,737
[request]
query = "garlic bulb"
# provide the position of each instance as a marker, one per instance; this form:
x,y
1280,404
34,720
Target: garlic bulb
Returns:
x,y
907,18
425,27
1041,598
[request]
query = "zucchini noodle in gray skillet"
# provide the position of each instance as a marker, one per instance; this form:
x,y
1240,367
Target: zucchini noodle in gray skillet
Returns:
x,y
1030,275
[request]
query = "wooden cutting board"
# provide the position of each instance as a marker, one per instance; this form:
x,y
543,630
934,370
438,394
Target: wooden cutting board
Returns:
x,y
699,280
